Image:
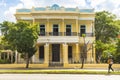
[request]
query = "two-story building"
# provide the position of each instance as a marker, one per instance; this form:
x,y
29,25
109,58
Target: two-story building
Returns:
x,y
60,41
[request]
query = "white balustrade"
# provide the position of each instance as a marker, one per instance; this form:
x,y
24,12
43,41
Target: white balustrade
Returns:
x,y
58,39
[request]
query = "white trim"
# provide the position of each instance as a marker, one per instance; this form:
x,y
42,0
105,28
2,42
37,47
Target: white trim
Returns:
x,y
55,17
58,39
86,19
26,18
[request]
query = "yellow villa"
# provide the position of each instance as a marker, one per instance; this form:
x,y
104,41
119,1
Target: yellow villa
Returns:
x,y
60,39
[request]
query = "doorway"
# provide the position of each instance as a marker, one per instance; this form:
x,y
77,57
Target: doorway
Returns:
x,y
55,52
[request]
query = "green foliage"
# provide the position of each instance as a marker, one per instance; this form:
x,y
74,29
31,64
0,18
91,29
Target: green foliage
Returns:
x,y
106,32
5,26
4,44
83,35
118,46
78,71
108,51
105,27
117,55
4,61
23,37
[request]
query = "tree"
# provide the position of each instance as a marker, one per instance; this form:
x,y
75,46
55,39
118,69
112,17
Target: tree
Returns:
x,y
22,36
117,55
99,50
84,50
109,50
105,27
5,26
106,30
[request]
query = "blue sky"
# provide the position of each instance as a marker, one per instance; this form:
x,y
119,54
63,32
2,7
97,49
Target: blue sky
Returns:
x,y
8,7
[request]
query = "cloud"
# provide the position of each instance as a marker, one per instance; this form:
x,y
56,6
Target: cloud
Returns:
x,y
43,3
2,3
28,3
99,5
112,6
9,14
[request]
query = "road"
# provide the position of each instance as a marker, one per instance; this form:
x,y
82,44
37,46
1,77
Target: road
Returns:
x,y
57,77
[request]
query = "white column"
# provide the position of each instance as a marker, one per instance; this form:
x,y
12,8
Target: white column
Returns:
x,y
19,58
33,21
16,56
11,57
8,55
33,58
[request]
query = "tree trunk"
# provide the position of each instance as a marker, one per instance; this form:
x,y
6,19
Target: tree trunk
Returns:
x,y
99,53
27,60
83,50
82,63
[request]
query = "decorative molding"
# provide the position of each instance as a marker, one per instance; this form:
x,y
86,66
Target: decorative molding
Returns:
x,y
58,39
58,17
26,18
87,18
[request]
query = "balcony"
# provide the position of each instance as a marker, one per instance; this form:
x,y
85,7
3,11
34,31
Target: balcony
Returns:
x,y
86,34
65,34
58,39
63,37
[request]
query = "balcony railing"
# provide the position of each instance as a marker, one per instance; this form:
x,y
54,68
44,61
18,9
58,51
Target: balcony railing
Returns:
x,y
86,34
70,33
65,34
55,33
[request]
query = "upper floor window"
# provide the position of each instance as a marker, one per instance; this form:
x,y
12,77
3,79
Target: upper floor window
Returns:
x,y
42,30
82,30
68,30
55,30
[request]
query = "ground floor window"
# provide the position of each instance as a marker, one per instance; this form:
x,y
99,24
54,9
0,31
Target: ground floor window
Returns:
x,y
41,53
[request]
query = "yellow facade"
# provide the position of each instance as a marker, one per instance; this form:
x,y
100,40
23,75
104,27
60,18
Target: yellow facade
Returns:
x,y
60,42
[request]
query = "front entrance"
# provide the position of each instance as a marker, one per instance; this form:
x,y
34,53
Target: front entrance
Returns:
x,y
55,56
55,52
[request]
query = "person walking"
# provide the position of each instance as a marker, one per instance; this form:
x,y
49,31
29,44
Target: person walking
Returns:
x,y
110,63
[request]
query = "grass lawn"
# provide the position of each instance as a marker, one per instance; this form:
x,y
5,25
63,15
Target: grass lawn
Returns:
x,y
57,72
36,68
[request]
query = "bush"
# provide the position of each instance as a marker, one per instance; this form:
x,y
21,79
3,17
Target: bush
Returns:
x,y
4,61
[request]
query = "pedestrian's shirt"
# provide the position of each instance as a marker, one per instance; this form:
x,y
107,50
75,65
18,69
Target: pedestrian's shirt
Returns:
x,y
110,61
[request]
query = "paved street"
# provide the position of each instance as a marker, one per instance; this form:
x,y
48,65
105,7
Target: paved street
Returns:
x,y
57,77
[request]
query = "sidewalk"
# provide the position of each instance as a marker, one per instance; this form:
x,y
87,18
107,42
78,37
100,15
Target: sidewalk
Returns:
x,y
58,77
